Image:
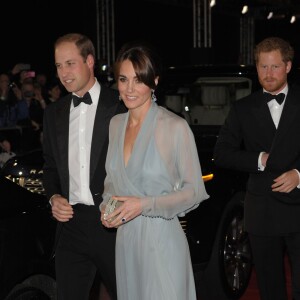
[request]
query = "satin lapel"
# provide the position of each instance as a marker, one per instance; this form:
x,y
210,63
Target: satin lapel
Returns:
x,y
106,109
62,130
289,113
264,119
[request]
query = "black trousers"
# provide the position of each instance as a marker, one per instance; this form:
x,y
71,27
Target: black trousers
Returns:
x,y
84,246
268,255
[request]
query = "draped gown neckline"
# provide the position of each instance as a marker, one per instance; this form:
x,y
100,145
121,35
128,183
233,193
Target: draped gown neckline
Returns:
x,y
145,129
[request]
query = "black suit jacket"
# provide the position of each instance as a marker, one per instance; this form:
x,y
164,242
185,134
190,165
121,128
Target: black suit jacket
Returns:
x,y
56,138
249,130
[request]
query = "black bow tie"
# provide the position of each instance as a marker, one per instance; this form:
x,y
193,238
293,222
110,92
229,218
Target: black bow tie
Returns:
x,y
279,98
86,99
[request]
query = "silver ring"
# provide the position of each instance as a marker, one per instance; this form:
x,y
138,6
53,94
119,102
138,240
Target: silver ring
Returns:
x,y
123,220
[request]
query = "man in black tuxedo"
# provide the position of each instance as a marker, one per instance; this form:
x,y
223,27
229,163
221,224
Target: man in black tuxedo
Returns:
x,y
262,136
75,143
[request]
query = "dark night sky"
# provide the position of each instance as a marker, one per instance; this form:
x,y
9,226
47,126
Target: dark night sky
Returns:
x,y
32,26
29,29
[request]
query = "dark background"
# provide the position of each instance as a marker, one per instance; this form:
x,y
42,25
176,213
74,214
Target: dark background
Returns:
x,y
29,29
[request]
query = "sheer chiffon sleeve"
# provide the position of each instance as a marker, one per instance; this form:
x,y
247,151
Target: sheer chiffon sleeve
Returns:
x,y
176,145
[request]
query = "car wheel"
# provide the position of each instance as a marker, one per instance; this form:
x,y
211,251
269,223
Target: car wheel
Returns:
x,y
36,287
229,270
28,293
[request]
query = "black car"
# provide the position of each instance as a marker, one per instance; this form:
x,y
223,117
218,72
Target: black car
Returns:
x,y
26,233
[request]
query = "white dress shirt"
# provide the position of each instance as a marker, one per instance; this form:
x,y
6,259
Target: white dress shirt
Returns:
x,y
81,126
275,108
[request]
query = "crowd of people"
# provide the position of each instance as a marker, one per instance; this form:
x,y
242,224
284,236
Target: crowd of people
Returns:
x,y
24,95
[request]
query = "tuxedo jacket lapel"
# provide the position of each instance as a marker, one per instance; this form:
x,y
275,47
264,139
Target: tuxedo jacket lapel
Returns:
x,y
263,119
105,110
289,112
62,131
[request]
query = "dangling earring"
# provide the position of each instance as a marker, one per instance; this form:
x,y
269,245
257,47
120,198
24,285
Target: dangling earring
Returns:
x,y
120,99
153,97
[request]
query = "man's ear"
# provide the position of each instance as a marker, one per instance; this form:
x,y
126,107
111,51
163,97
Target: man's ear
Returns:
x,y
90,61
288,66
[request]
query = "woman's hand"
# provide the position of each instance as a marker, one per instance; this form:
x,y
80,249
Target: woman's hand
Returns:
x,y
130,209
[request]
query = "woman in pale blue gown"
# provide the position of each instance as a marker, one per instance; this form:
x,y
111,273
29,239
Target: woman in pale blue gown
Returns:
x,y
153,169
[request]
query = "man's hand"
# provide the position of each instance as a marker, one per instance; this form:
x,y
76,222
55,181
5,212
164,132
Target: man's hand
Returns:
x,y
61,209
286,182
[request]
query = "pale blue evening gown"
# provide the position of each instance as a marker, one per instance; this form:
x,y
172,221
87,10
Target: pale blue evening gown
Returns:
x,y
152,254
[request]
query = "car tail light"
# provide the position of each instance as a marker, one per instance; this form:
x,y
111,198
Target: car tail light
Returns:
x,y
207,177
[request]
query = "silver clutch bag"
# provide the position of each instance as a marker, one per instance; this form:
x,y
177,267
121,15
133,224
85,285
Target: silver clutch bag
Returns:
x,y
111,205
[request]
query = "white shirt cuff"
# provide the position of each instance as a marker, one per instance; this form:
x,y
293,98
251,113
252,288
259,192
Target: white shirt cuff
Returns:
x,y
260,166
298,186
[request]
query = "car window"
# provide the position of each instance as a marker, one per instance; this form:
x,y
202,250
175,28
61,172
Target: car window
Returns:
x,y
207,100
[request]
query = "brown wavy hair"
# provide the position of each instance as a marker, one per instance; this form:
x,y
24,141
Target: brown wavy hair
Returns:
x,y
273,44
